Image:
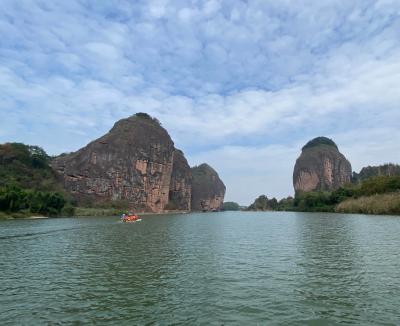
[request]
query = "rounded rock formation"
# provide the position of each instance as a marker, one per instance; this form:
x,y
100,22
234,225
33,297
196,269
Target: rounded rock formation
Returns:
x,y
321,167
133,163
208,190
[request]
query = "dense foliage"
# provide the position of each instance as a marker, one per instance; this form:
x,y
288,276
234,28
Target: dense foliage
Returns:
x,y
27,182
320,141
377,195
26,167
230,206
285,204
15,199
262,203
327,201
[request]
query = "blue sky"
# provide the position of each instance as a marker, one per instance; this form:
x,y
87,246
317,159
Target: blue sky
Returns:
x,y
241,85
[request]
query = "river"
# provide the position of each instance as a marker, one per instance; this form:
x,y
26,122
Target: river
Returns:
x,y
243,268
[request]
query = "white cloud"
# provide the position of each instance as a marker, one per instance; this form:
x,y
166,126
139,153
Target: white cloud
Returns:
x,y
234,82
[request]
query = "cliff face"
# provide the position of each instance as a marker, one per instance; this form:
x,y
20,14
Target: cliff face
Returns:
x,y
180,191
133,163
321,167
208,191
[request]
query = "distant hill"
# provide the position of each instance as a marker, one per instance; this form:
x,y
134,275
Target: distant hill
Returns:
x,y
375,171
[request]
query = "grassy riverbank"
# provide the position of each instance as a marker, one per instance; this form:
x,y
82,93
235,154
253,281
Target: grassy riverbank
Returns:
x,y
375,195
388,204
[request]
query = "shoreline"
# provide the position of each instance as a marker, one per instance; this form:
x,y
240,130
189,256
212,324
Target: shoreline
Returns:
x,y
21,216
18,216
87,212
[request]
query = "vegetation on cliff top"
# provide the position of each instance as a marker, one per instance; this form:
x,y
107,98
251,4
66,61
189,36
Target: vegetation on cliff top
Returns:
x,y
320,141
147,116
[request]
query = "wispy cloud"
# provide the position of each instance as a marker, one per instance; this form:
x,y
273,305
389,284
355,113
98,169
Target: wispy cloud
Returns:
x,y
237,83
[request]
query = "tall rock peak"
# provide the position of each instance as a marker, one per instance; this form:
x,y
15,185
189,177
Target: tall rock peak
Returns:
x,y
208,190
135,162
321,167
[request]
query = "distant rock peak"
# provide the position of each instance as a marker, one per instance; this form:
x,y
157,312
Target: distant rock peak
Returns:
x,y
321,167
136,164
208,190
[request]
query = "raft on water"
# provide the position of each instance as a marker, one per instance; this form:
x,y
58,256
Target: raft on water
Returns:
x,y
130,218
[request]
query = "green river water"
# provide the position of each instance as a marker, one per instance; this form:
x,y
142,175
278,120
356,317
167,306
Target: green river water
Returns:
x,y
226,268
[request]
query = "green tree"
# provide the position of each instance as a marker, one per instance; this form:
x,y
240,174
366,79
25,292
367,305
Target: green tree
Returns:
x,y
230,206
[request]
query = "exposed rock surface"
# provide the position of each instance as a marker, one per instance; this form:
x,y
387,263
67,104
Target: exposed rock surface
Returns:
x,y
208,191
136,162
321,167
180,190
374,171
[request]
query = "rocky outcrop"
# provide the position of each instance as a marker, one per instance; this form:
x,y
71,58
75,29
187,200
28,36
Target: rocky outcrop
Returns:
x,y
136,163
320,167
375,171
180,191
208,191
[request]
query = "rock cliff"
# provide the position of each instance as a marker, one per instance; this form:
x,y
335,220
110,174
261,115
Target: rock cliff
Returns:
x,y
208,191
135,162
180,191
320,167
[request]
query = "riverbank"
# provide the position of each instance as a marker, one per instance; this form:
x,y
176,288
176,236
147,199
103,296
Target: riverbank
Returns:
x,y
336,202
84,212
385,204
89,211
20,215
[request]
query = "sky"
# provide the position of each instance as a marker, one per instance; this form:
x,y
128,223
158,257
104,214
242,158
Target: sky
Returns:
x,y
239,84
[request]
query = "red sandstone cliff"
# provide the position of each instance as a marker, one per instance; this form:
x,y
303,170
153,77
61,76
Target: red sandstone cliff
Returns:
x,y
321,167
135,162
208,190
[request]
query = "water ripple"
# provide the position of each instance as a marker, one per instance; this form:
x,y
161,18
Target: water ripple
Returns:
x,y
207,269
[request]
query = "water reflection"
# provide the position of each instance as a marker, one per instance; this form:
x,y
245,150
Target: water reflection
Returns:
x,y
332,282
